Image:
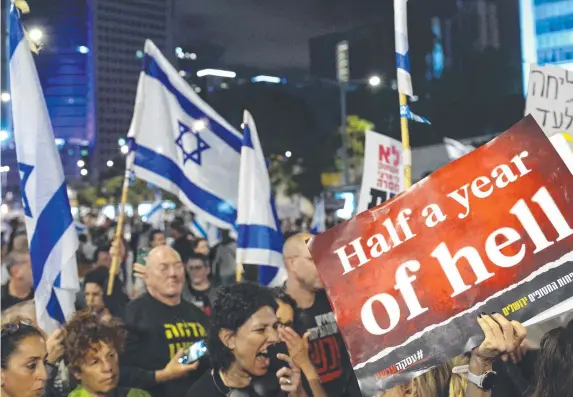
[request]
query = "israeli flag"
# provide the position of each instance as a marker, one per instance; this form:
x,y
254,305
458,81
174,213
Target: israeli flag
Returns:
x,y
260,240
80,227
407,113
201,228
402,57
49,223
155,215
318,224
456,149
180,144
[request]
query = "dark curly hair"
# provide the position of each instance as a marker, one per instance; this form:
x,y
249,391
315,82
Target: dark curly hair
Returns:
x,y
13,333
233,308
85,329
280,294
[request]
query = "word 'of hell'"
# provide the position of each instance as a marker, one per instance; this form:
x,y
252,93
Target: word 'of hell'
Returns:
x,y
404,276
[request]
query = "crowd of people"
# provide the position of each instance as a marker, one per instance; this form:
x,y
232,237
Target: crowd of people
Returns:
x,y
173,290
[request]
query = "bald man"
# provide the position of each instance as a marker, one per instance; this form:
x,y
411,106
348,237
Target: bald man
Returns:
x,y
314,315
160,327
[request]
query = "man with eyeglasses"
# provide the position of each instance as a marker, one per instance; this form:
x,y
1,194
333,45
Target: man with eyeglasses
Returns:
x,y
161,326
21,285
198,289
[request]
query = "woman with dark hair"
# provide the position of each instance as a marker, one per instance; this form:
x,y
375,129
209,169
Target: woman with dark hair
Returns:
x,y
297,346
23,360
92,346
554,368
243,328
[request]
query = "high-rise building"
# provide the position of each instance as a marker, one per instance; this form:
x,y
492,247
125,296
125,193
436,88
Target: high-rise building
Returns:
x,y
89,64
118,36
546,33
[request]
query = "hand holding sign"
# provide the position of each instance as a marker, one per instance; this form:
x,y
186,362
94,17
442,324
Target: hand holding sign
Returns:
x,y
501,337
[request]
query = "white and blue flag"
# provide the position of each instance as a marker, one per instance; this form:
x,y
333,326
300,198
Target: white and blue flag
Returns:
x,y
201,228
156,214
402,47
180,144
259,240
407,113
318,224
51,229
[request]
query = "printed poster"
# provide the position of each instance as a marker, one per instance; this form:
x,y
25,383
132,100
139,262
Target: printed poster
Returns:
x,y
383,174
491,232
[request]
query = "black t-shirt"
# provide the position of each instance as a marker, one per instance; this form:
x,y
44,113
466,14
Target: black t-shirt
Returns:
x,y
211,384
327,349
156,332
201,300
9,300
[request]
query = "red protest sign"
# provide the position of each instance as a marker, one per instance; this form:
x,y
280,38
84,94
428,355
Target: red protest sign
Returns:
x,y
487,232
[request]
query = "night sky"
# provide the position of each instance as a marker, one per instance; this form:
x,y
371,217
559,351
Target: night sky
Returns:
x,y
267,33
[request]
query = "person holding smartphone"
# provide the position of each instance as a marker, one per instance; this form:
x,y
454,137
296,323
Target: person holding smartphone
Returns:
x,y
161,327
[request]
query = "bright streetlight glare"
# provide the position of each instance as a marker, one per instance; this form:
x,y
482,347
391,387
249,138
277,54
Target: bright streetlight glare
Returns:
x,y
193,56
199,125
5,97
124,149
84,172
36,34
110,163
81,163
216,73
288,153
121,141
83,49
374,81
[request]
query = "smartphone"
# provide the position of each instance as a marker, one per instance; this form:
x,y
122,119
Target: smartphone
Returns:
x,y
141,256
194,353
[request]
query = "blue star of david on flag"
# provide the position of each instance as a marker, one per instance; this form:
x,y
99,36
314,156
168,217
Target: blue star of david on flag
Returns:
x,y
25,171
201,145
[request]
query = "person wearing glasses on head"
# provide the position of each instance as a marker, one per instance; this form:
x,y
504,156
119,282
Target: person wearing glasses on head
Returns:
x,y
244,327
24,357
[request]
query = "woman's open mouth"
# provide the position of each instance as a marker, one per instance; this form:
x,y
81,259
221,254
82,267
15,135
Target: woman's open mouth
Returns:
x,y
263,359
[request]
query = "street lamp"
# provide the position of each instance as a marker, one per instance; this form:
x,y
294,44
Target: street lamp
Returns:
x,y
36,35
110,163
374,81
288,153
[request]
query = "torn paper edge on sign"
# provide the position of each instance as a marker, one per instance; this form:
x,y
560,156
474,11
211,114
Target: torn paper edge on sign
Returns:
x,y
552,265
560,144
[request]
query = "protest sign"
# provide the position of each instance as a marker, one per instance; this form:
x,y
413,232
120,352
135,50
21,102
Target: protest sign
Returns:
x,y
490,232
383,170
550,98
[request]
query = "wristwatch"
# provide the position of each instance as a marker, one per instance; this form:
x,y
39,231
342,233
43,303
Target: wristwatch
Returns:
x,y
485,381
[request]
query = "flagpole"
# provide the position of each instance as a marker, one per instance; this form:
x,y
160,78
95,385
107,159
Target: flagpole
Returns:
x,y
118,233
239,274
407,153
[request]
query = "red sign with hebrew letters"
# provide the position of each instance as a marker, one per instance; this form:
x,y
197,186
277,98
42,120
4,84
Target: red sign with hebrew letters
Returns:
x,y
490,232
